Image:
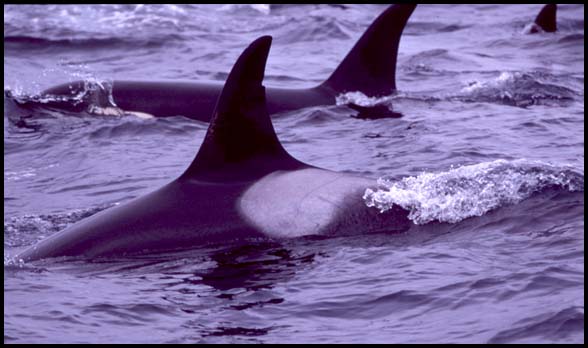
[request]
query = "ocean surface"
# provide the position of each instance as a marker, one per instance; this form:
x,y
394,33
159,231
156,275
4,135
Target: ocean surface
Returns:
x,y
488,157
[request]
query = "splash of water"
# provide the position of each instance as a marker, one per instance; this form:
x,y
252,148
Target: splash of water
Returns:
x,y
360,99
518,89
95,97
471,190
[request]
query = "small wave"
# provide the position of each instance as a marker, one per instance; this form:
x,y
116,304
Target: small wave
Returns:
x,y
275,7
85,26
423,69
561,325
27,173
471,190
517,89
313,29
19,175
246,8
424,28
237,331
572,38
434,57
39,43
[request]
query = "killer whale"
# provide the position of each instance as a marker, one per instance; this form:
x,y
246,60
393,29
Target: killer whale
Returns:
x,y
546,20
241,184
370,67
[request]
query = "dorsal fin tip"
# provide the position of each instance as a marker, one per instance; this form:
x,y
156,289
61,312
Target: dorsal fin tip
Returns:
x,y
546,18
247,72
240,129
370,66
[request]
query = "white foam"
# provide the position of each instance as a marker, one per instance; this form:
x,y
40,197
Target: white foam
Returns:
x,y
359,98
469,191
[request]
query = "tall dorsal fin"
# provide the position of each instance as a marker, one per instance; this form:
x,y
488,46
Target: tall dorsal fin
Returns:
x,y
370,67
546,19
241,142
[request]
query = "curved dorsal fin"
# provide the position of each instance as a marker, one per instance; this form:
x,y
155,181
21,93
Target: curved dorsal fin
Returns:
x,y
241,142
546,19
370,67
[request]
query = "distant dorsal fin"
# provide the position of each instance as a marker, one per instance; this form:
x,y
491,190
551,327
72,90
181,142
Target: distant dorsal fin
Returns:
x,y
241,141
546,19
370,67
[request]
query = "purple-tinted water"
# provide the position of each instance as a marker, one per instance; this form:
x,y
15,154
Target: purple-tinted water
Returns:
x,y
488,157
